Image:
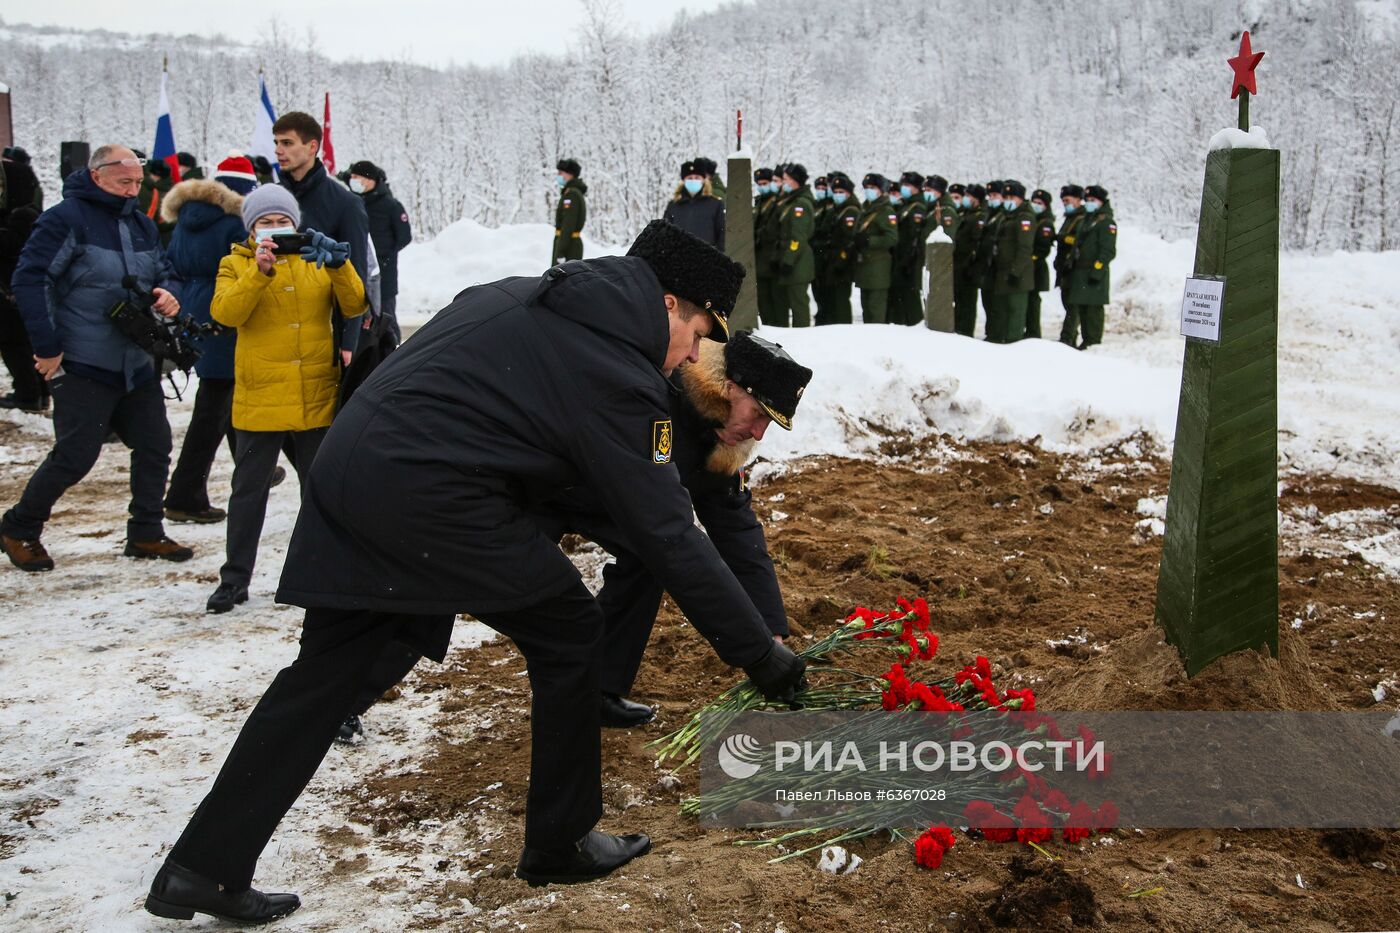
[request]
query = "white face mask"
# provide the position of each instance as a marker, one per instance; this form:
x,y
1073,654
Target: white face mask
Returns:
x,y
267,233
357,186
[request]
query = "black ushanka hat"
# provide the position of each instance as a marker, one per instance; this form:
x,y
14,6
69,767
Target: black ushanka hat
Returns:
x,y
767,372
1071,191
570,166
689,268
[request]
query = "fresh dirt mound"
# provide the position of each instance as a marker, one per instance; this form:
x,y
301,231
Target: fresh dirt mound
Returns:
x,y
1031,558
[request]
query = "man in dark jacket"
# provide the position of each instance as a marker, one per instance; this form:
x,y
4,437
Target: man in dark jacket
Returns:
x,y
967,273
695,209
571,214
516,391
71,273
722,406
325,206
208,221
389,230
1041,206
30,393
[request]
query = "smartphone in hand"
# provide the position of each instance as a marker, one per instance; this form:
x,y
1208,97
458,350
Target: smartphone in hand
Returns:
x,y
290,244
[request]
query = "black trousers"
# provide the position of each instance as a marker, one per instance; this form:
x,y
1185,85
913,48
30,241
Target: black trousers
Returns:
x,y
289,731
30,389
84,412
209,427
630,599
254,460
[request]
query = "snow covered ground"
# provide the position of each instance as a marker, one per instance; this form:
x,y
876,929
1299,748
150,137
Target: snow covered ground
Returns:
x,y
119,697
1339,357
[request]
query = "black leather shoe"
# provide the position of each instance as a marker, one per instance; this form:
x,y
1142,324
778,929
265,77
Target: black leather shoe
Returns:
x,y
179,894
593,857
226,597
622,713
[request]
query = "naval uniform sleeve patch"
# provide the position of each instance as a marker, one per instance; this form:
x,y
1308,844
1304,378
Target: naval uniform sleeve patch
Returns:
x,y
661,441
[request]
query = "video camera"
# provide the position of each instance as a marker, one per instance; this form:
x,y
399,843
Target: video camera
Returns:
x,y
171,341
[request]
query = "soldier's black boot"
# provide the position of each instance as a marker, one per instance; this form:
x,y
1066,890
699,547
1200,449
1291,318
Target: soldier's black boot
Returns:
x,y
592,857
621,713
178,894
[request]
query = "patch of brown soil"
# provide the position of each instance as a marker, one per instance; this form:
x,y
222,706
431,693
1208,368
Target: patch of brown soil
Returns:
x,y
1025,556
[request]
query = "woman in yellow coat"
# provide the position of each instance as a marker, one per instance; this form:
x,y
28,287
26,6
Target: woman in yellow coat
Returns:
x,y
286,369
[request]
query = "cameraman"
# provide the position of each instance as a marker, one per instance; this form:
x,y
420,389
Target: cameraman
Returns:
x,y
69,277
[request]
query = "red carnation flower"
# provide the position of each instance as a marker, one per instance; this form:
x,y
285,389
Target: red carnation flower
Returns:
x,y
1027,698
931,845
1056,801
1034,822
984,667
1106,817
994,825
1079,824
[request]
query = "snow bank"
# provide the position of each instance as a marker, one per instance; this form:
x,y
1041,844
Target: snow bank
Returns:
x,y
1339,329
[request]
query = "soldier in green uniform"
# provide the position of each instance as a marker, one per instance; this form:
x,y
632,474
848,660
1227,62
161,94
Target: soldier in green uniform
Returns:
x,y
821,239
916,223
986,258
967,275
189,167
710,170
838,266
764,262
571,214
1067,240
1041,206
945,207
1095,246
1013,266
797,267
877,234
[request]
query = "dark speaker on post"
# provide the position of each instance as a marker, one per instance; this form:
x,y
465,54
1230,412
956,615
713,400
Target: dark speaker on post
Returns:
x,y
73,155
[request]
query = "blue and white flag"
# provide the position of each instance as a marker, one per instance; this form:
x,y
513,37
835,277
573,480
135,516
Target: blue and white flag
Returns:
x,y
262,128
164,148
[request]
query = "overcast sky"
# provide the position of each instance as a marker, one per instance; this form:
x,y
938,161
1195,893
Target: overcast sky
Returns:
x,y
433,32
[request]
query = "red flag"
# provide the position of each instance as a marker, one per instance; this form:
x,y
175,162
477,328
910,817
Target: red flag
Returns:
x,y
327,149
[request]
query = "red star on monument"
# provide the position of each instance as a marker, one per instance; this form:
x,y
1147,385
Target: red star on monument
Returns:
x,y
1244,65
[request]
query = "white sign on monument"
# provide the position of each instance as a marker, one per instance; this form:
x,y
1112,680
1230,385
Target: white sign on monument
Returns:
x,y
1201,307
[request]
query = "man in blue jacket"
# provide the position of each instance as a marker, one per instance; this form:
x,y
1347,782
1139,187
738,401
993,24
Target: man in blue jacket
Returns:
x,y
69,277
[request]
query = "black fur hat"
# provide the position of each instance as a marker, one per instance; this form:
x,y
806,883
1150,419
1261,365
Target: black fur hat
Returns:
x,y
841,181
875,180
977,191
569,165
367,169
705,166
937,183
912,179
1096,191
819,182
1043,196
994,186
763,174
261,165
158,168
1013,188
767,372
691,168
955,189
689,268
16,154
796,171
1071,191
185,160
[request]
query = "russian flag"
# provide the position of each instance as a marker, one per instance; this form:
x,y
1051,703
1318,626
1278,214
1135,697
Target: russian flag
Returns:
x,y
164,149
262,127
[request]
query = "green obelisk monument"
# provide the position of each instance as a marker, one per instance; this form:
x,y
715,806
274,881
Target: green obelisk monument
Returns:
x,y
1217,586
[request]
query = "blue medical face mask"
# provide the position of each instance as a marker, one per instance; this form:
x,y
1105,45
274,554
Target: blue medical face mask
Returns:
x,y
559,180
839,197
872,194
693,185
1037,207
994,203
1092,206
967,201
267,233
929,196
819,194
1009,205
895,198
1069,208
905,191
789,187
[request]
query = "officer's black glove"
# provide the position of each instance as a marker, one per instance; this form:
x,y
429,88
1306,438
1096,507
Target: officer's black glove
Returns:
x,y
1013,279
779,675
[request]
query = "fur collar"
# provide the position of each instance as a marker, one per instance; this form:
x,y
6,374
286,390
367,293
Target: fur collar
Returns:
x,y
200,189
704,389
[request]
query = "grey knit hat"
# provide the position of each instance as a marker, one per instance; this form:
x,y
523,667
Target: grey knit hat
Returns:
x,y
269,199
